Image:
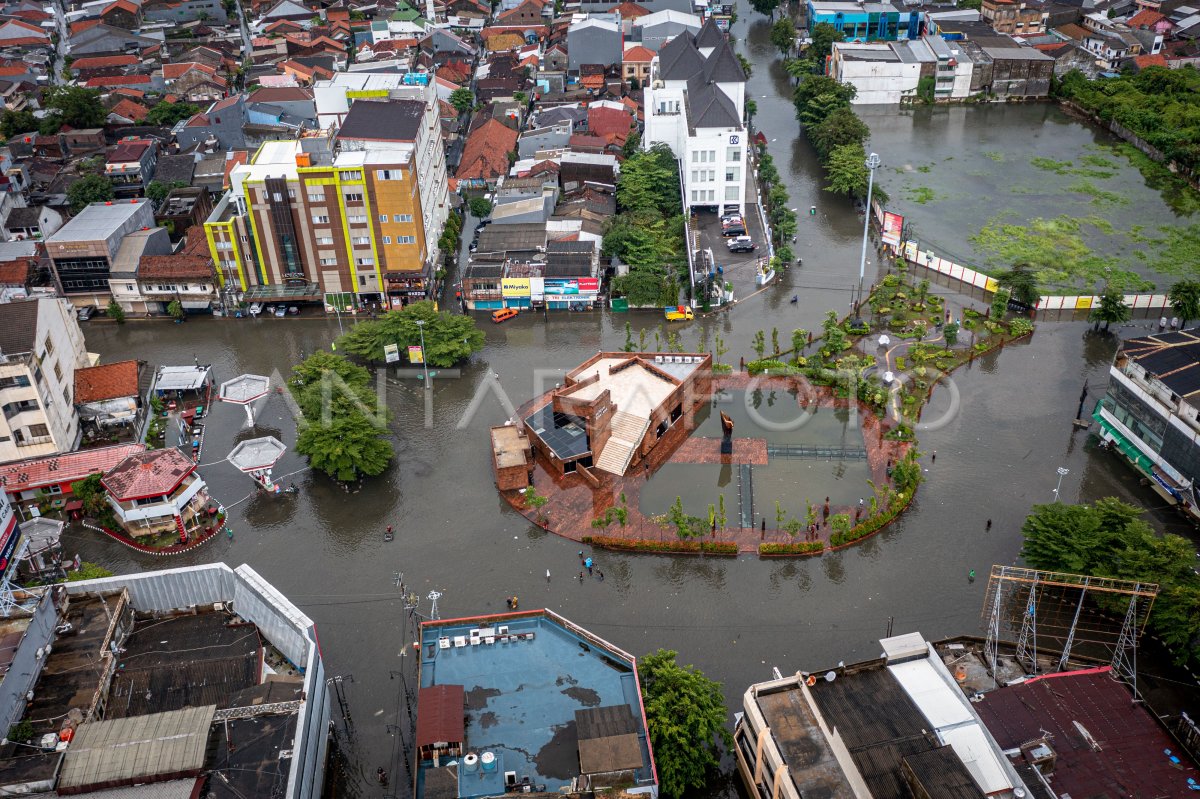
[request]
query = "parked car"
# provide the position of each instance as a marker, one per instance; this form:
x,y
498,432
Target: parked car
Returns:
x,y
729,231
281,310
85,313
294,310
730,218
741,244
255,308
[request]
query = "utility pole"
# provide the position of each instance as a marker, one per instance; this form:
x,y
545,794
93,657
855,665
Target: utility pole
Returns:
x,y
872,163
424,355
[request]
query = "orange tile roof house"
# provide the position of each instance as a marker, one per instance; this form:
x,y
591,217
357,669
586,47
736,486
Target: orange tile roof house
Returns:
x,y
127,111
106,382
485,155
22,480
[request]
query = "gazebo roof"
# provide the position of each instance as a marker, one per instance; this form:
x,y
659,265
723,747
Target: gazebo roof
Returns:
x,y
244,389
257,453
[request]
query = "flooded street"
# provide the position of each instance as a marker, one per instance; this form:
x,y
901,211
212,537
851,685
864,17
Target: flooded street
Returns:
x,y
1001,431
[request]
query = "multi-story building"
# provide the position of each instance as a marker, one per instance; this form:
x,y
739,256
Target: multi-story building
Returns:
x,y
41,346
82,251
695,104
349,216
1014,17
130,165
866,22
1151,412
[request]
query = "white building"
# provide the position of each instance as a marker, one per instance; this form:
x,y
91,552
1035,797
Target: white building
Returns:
x,y
695,104
41,346
888,73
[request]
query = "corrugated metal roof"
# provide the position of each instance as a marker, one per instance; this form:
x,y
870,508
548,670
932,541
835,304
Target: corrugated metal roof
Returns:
x,y
137,749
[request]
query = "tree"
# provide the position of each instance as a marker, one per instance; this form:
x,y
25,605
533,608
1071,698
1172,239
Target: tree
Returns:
x,y
634,84
1112,308
76,106
950,331
823,37
449,338
326,385
14,122
462,100
345,448
840,128
760,344
649,181
817,96
685,717
91,493
999,303
175,309
747,67
479,207
783,35
848,171
766,7
1021,283
167,114
1109,539
87,190
520,97
115,312
1185,299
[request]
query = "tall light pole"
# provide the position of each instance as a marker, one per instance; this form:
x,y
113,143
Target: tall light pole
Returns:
x,y
424,356
1061,474
872,163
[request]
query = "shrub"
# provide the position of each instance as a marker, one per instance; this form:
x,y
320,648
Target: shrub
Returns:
x,y
644,545
769,366
800,548
1020,326
20,732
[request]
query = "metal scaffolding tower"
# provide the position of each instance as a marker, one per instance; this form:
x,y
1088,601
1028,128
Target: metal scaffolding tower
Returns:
x,y
1031,603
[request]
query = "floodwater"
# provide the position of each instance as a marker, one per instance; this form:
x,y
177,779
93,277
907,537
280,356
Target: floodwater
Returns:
x,y
1001,429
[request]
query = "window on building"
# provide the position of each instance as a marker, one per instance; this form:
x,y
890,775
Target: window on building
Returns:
x,y
129,287
731,193
362,280
38,430
67,395
366,260
276,197
355,197
357,220
383,217
58,372
360,240
16,381
329,262
387,239
48,346
325,240
406,239
402,218
352,175
733,154
320,219
389,174
732,173
316,196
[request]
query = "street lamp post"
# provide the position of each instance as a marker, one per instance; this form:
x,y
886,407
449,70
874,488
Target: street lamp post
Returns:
x,y
872,163
424,355
1061,474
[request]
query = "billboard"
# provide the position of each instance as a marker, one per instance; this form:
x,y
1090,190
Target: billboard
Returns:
x,y
571,286
391,353
415,355
515,287
893,228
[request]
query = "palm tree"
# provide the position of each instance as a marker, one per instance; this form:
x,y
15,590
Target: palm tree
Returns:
x,y
1021,283
1112,308
1185,299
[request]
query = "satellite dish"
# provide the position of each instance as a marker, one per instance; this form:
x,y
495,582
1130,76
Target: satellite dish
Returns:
x,y
830,676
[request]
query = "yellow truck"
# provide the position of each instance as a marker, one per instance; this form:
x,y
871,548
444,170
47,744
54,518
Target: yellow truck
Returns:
x,y
678,312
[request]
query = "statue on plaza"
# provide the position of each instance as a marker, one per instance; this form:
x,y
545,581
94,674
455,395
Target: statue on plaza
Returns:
x,y
726,434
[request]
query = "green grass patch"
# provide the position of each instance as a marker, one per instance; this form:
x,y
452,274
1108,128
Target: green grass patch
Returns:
x,y
1050,165
924,168
1099,196
993,155
921,194
1176,192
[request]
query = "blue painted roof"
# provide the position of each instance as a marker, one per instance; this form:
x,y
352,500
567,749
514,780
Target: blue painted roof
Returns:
x,y
522,695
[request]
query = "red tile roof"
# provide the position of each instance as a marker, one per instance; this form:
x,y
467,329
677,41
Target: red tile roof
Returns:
x,y
485,155
66,468
14,70
129,110
152,473
637,55
100,62
604,121
105,382
630,10
175,71
1145,17
27,26
121,5
116,80
1156,60
32,15
16,272
82,25
137,94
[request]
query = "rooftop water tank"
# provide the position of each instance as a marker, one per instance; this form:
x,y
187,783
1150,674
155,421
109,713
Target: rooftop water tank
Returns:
x,y
488,760
471,763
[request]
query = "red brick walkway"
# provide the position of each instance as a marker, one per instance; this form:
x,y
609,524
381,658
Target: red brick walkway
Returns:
x,y
572,504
